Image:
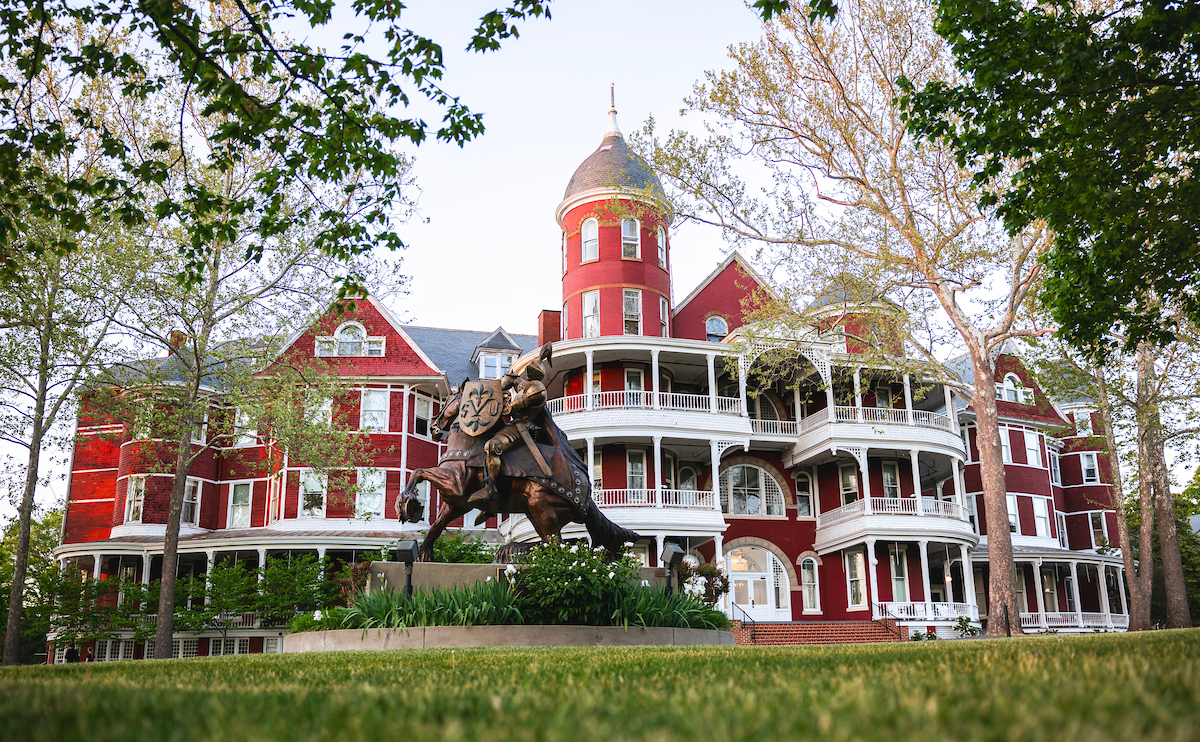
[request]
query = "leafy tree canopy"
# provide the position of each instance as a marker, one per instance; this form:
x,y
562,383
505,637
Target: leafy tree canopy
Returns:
x,y
321,116
1096,103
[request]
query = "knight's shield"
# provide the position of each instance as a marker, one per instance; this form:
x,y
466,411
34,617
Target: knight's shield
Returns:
x,y
480,406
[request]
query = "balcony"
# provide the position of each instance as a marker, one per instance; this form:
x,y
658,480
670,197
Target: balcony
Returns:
x,y
648,498
874,427
637,400
916,611
694,513
635,413
1082,621
879,416
892,517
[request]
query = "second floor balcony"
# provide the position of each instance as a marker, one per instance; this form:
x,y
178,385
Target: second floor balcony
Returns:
x,y
643,400
893,517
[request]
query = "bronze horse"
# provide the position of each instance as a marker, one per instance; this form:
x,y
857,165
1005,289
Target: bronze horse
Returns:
x,y
550,502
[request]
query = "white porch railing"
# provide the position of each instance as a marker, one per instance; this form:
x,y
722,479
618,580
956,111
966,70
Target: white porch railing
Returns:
x,y
775,427
643,400
918,611
649,498
923,506
892,416
1071,620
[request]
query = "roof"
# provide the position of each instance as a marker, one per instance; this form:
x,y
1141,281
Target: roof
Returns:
x,y
734,257
613,165
499,340
452,350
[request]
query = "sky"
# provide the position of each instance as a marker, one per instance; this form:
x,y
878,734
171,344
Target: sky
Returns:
x,y
486,211
483,249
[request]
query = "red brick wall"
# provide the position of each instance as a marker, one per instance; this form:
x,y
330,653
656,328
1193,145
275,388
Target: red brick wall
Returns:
x,y
723,296
823,632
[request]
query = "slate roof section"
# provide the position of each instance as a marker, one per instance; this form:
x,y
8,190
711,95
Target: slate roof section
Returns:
x,y
499,340
451,350
613,165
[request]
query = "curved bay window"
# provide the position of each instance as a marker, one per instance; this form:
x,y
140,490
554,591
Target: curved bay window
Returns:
x,y
749,490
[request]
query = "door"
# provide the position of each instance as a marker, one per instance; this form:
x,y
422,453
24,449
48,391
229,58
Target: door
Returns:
x,y
753,583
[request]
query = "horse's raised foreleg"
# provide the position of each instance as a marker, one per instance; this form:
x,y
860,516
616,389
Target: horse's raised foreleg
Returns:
x,y
447,479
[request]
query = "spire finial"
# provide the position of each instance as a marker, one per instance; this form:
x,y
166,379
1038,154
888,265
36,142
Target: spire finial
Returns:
x,y
613,129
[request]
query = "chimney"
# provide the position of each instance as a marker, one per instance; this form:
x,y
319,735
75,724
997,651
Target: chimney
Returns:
x,y
178,337
549,330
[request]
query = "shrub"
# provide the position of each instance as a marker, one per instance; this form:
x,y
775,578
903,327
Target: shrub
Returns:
x,y
487,604
964,628
708,581
573,584
318,620
463,548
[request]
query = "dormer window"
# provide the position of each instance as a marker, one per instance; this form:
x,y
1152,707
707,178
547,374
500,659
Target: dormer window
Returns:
x,y
715,329
349,341
494,365
631,244
590,232
1012,390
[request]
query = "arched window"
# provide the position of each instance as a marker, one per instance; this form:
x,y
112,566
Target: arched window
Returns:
x,y
749,490
809,587
631,239
762,408
591,240
662,247
715,329
759,582
1012,388
564,252
687,478
350,339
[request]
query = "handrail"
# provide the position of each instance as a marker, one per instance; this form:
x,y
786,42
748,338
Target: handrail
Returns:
x,y
746,619
651,498
644,400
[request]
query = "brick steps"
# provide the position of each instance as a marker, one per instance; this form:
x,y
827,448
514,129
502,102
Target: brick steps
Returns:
x,y
818,632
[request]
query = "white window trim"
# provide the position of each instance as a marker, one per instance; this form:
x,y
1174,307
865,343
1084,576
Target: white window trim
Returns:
x,y
662,247
417,398
842,491
131,483
1006,445
895,466
247,436
1014,514
724,323
1060,522
1055,468
362,409
199,432
629,453
583,314
1084,457
625,294
249,505
664,317
816,609
812,499
367,342
324,482
1036,448
1048,506
199,483
866,585
583,240
902,551
565,322
764,492
637,249
564,253
1103,527
366,472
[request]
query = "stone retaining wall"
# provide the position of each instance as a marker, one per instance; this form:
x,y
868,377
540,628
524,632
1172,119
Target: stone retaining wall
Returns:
x,y
424,637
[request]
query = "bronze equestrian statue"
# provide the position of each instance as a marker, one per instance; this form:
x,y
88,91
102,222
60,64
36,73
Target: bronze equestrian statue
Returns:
x,y
525,466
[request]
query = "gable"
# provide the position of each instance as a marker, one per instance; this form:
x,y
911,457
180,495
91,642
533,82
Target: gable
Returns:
x,y
721,294
1042,410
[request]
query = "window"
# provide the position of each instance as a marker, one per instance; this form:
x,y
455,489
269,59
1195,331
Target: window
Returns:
x,y
662,316
1099,530
1006,445
635,471
810,594
565,322
749,490
1091,470
883,396
218,646
891,479
668,472
272,645
633,312
856,581
687,478
1055,472
804,507
422,413
1013,390
350,340
1033,451
971,516
1041,517
312,494
191,501
423,498
320,412
631,243
135,497
1022,602
1011,501
634,388
597,468
373,415
590,231
662,247
198,430
848,475
246,432
1062,530
715,329
591,314
898,558
564,252
494,365
1050,590
370,493
1083,423
239,505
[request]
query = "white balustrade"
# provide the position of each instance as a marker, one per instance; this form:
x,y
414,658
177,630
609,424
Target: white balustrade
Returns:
x,y
820,417
729,405
694,499
1120,620
894,506
1070,620
649,498
919,611
643,400
685,402
845,512
774,427
627,498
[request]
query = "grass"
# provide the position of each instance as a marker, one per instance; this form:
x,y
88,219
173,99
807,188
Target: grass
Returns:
x,y
1140,688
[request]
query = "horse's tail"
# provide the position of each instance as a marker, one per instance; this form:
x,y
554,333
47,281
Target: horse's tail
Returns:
x,y
606,533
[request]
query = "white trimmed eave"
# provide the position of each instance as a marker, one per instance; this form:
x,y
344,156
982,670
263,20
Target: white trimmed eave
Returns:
x,y
599,194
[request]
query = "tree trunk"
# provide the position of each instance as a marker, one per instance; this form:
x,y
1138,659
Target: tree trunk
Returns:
x,y
1139,581
1004,614
165,627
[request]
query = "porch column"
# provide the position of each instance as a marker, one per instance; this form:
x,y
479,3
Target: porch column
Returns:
x,y
858,415
321,560
1102,572
211,556
743,369
97,562
591,461
950,411
968,579
262,563
830,402
796,407
715,453
924,547
712,382
587,382
1041,598
657,403
865,467
147,560
1121,587
1075,595
872,565
658,496
659,542
959,488
908,408
916,475
719,561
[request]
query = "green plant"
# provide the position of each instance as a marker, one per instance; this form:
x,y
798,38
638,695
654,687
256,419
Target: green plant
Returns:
x,y
917,636
463,548
318,620
708,581
486,604
964,627
574,584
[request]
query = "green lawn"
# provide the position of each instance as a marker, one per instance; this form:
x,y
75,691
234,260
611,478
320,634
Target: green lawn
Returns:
x,y
1134,688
